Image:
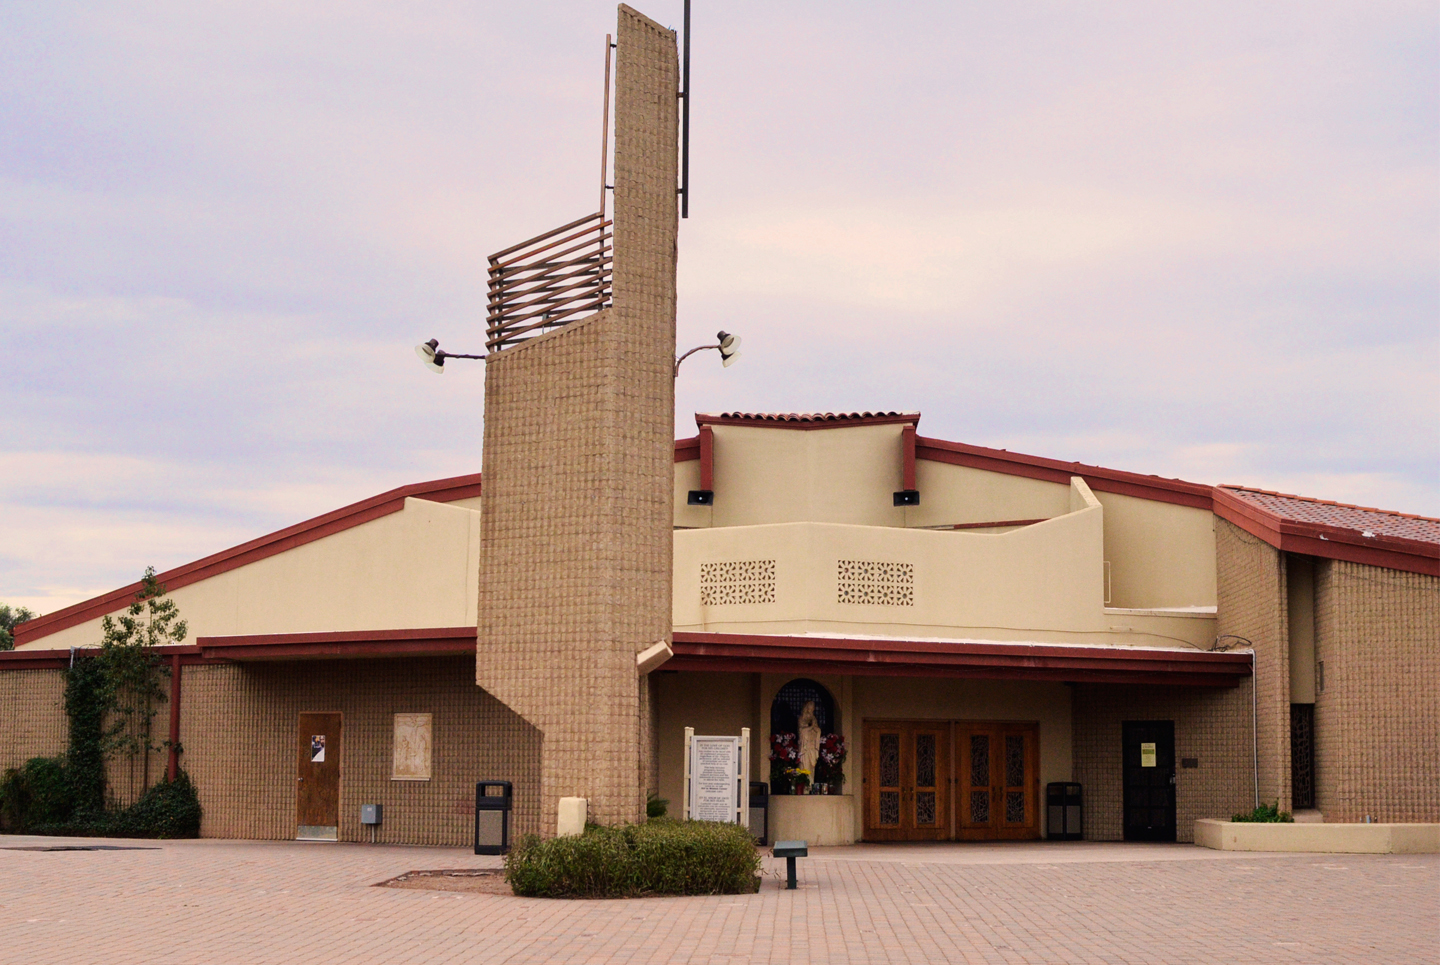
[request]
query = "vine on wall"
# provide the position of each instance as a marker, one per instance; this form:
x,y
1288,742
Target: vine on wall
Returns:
x,y
111,697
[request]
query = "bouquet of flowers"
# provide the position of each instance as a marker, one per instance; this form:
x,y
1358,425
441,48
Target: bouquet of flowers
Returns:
x,y
799,779
830,768
784,756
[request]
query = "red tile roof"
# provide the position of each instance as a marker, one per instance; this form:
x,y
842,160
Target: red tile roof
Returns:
x,y
1333,531
805,420
1323,512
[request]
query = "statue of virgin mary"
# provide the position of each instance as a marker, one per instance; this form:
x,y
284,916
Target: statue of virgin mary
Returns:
x,y
809,738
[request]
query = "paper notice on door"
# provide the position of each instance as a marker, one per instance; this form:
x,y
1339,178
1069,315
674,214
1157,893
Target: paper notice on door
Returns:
x,y
1147,755
317,749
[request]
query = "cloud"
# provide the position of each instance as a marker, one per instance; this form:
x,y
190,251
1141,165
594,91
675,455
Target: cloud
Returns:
x,y
1196,241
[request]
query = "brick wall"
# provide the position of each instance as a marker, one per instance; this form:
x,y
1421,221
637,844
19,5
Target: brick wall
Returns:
x,y
1377,720
576,537
1252,603
238,725
34,723
1212,724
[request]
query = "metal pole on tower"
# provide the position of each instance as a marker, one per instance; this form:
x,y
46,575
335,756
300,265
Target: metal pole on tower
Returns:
x,y
685,123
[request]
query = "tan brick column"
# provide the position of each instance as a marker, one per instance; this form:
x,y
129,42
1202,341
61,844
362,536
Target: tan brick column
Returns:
x,y
1251,597
577,521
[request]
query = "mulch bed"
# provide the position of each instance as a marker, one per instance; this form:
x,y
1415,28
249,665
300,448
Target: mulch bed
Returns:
x,y
482,881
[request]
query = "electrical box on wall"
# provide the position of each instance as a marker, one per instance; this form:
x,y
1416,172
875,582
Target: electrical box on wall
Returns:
x,y
372,813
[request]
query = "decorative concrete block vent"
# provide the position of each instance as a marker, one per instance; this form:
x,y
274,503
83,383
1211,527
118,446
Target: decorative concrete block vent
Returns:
x,y
737,582
874,583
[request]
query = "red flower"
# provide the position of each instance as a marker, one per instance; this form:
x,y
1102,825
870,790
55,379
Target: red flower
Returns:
x,y
784,748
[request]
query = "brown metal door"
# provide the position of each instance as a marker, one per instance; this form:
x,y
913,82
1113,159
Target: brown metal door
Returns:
x,y
317,787
907,781
999,785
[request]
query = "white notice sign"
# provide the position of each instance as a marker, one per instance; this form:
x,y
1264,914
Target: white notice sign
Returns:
x,y
1147,755
714,779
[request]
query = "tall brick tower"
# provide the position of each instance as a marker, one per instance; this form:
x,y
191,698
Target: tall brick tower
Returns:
x,y
576,530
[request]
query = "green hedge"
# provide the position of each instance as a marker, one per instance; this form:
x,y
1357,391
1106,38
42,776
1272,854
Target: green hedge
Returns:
x,y
657,858
42,798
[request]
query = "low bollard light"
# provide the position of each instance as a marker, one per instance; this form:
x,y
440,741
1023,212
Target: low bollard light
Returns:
x,y
790,850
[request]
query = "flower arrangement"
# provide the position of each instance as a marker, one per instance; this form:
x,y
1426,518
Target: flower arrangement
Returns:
x,y
788,777
784,756
830,768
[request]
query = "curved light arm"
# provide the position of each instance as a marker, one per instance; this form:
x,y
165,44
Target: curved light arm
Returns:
x,y
698,348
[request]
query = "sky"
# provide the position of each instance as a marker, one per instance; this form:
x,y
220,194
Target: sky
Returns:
x,y
1195,240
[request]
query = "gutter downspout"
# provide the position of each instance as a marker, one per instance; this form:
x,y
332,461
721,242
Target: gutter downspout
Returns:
x,y
173,770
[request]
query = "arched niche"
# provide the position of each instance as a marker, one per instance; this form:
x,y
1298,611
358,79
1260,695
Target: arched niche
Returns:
x,y
791,699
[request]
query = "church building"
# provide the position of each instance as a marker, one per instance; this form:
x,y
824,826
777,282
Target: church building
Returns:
x,y
965,625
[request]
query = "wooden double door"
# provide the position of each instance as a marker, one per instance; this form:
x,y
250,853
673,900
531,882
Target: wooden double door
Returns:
x,y
929,780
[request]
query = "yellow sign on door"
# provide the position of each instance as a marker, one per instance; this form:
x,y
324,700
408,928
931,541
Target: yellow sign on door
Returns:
x,y
1147,755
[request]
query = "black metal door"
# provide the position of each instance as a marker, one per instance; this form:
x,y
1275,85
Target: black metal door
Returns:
x,y
1149,769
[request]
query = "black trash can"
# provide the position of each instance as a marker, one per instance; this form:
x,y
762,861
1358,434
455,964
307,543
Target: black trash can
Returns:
x,y
494,801
760,811
1063,818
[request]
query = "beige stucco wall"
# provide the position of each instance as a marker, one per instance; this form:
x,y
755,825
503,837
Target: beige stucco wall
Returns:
x,y
1160,554
1043,582
958,494
712,703
765,475
1157,554
414,568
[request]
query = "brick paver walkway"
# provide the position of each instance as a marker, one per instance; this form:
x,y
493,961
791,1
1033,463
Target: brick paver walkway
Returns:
x,y
263,902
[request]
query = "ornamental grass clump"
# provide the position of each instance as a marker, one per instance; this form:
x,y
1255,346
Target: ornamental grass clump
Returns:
x,y
657,858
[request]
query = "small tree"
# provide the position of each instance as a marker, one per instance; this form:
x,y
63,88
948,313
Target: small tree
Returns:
x,y
10,618
135,674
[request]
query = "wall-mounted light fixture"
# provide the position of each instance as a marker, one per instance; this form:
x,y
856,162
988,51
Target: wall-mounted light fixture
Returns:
x,y
433,356
908,495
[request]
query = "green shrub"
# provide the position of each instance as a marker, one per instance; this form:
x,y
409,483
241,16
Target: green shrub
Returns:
x,y
655,806
1265,814
40,798
659,858
169,809
38,792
